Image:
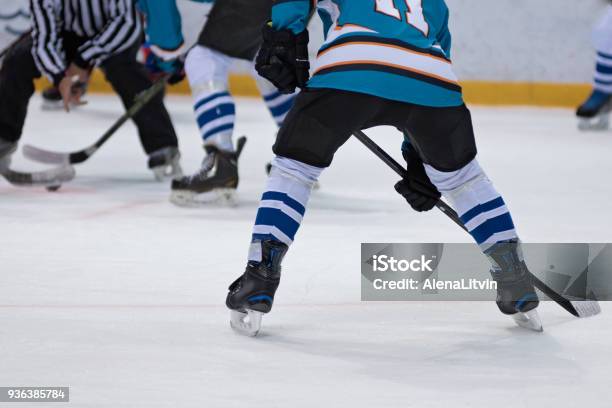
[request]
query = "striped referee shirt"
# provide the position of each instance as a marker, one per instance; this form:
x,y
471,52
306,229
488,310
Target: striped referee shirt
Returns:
x,y
110,26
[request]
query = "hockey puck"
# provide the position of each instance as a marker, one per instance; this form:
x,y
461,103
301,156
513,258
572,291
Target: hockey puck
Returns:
x,y
53,189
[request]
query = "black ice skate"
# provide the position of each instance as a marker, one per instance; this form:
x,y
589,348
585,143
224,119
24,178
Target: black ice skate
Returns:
x,y
516,294
165,163
252,294
52,99
6,152
594,113
218,174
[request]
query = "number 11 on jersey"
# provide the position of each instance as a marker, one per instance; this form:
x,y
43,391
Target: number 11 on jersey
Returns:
x,y
414,15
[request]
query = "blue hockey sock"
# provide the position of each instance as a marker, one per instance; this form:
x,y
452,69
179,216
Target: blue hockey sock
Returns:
x,y
603,73
279,105
283,203
480,207
215,113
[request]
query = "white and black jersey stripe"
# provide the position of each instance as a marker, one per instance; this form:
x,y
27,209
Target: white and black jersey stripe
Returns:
x,y
110,26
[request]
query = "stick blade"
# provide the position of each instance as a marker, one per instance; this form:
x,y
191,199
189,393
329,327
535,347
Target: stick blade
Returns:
x,y
45,156
49,178
586,308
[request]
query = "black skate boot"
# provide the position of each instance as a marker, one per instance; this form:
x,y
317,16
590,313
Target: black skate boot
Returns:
x,y
594,113
52,99
516,294
252,294
6,152
165,163
219,173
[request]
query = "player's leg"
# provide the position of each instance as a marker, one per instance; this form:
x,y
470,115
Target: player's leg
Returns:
x,y
315,128
595,111
128,78
215,112
16,88
233,30
444,138
278,104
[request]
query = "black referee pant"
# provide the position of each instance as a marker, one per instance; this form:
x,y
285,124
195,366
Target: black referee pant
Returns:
x,y
126,75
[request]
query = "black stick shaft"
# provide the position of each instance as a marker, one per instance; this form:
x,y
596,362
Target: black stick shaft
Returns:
x,y
141,101
450,213
402,172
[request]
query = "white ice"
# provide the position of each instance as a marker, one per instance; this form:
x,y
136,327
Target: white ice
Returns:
x,y
108,288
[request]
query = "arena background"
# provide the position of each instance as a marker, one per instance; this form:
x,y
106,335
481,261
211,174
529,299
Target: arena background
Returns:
x,y
506,52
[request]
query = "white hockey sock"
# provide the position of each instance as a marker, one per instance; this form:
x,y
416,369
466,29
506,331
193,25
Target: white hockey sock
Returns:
x,y
215,113
278,104
214,107
283,203
480,207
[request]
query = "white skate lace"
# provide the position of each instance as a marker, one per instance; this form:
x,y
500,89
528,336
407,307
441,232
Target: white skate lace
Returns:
x,y
207,165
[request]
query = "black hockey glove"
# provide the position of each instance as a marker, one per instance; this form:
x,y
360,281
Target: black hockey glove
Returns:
x,y
283,59
417,189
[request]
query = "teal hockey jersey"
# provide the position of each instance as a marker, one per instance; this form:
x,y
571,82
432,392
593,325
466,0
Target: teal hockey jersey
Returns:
x,y
393,49
163,29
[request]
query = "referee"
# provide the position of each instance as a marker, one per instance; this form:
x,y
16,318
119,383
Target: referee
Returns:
x,y
68,39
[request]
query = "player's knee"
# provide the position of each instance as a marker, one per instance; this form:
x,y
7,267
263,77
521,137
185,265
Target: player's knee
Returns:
x,y
295,169
444,136
448,181
206,67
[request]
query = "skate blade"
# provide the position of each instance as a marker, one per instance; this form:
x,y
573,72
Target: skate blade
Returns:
x,y
190,199
247,324
529,320
598,123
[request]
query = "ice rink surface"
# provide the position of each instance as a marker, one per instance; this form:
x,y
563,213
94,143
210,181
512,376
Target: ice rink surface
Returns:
x,y
108,288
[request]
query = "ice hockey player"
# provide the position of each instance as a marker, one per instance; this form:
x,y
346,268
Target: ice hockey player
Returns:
x,y
383,63
233,30
594,113
65,43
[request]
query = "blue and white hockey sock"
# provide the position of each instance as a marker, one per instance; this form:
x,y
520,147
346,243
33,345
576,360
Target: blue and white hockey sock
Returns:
x,y
207,72
283,203
279,104
480,207
215,113
603,73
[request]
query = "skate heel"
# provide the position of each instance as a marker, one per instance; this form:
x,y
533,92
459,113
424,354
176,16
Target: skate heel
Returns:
x,y
260,303
246,323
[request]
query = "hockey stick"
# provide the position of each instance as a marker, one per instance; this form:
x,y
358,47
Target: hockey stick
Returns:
x,y
79,156
580,308
52,178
